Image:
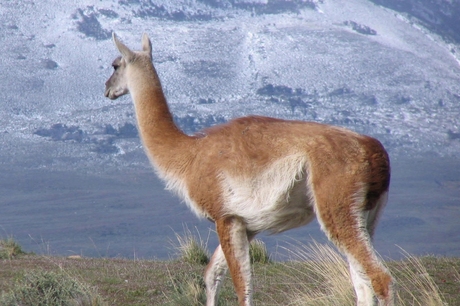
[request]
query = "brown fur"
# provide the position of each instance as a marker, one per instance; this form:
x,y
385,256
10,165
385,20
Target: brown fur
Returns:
x,y
343,177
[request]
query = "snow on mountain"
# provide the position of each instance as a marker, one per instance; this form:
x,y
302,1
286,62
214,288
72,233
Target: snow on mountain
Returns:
x,y
377,67
350,63
439,16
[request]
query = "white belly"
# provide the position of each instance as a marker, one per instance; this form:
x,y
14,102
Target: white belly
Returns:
x,y
276,200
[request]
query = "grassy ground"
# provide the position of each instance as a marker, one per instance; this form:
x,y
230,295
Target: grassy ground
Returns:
x,y
144,282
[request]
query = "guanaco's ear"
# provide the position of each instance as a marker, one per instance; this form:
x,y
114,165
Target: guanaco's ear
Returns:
x,y
127,54
146,44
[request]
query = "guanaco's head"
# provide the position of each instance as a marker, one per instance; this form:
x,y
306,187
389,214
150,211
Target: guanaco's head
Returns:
x,y
117,85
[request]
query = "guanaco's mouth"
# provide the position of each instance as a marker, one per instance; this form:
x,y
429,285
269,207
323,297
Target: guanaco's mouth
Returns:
x,y
108,94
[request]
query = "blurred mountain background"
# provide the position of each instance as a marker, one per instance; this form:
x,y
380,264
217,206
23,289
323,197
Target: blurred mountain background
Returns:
x,y
74,177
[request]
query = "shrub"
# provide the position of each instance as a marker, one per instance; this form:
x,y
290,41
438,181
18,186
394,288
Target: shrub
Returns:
x,y
42,288
10,249
258,252
192,249
188,290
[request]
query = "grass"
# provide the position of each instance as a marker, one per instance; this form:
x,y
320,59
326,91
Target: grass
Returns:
x,y
50,288
188,290
315,275
327,279
192,249
324,273
258,252
10,249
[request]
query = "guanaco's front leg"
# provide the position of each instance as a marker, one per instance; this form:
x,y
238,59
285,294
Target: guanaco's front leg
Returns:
x,y
234,242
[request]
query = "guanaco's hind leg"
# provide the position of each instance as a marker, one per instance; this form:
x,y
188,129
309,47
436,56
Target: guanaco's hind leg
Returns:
x,y
344,220
214,276
234,243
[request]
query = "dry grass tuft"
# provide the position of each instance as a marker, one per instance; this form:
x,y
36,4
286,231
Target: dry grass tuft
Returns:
x,y
192,248
327,280
414,285
325,273
258,252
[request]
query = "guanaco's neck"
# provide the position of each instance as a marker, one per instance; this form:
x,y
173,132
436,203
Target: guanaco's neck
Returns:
x,y
164,142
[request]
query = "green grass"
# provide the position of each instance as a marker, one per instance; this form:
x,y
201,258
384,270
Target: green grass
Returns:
x,y
192,248
188,290
10,249
258,252
314,275
50,288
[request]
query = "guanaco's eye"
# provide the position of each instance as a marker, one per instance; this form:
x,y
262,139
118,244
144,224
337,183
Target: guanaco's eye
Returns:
x,y
115,67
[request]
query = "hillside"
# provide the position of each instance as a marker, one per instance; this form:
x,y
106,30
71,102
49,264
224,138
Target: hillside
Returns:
x,y
149,282
73,169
